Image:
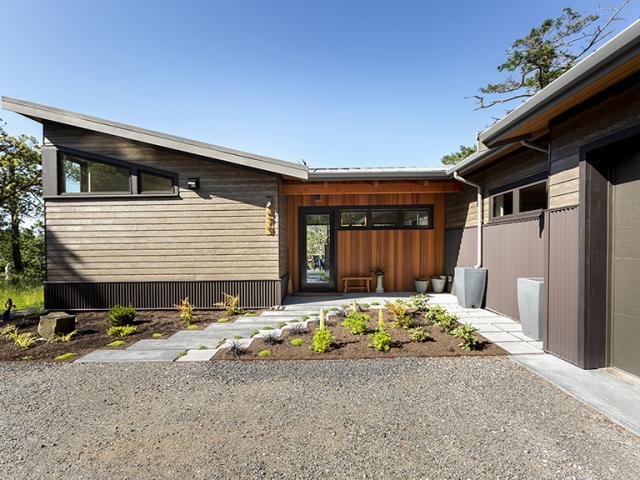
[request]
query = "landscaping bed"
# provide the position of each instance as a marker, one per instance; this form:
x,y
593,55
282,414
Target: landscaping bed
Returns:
x,y
347,345
91,334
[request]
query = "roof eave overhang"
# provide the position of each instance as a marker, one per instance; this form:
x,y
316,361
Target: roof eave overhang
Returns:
x,y
42,113
381,176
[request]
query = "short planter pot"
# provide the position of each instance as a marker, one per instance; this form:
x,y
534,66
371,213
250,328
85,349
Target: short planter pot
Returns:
x,y
470,285
438,284
421,285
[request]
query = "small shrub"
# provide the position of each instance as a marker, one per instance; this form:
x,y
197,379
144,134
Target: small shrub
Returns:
x,y
465,332
203,347
375,303
298,329
119,315
254,333
305,317
23,340
116,343
333,309
399,312
122,330
192,327
182,354
235,348
356,322
281,324
420,302
364,306
237,337
222,320
264,353
434,312
445,321
250,314
381,340
271,339
322,340
419,334
268,328
157,335
221,341
9,331
230,304
65,356
64,337
186,312
297,342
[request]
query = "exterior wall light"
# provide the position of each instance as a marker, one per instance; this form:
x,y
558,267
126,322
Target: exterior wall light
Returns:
x,y
193,183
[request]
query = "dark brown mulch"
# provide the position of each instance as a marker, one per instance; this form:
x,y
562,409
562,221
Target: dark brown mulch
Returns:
x,y
92,335
350,346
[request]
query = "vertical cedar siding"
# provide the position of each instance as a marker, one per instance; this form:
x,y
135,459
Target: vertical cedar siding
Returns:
x,y
215,233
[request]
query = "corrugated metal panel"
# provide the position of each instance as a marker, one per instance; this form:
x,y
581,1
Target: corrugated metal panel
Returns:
x,y
563,263
160,295
460,248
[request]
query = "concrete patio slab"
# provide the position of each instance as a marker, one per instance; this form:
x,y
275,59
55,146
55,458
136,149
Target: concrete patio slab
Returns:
x,y
605,392
518,348
128,355
198,355
501,337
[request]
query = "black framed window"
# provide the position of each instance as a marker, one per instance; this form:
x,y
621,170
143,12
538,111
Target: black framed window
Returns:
x,y
81,174
526,199
386,217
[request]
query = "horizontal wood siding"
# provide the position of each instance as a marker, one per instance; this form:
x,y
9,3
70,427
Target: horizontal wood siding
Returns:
x,y
283,258
215,233
404,253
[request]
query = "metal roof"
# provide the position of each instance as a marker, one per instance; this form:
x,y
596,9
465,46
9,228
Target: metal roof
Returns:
x,y
41,113
379,173
617,51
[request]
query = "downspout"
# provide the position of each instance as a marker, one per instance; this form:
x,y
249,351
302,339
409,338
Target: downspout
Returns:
x,y
480,213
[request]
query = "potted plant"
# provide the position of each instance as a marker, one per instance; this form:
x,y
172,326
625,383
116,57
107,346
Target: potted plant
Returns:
x,y
379,272
421,284
438,283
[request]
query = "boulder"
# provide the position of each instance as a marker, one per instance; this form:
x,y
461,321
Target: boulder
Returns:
x,y
56,323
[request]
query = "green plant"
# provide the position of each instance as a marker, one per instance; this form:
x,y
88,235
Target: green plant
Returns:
x,y
192,327
281,324
333,309
400,314
222,320
9,331
120,315
297,342
375,303
420,302
250,314
182,354
271,339
116,343
381,340
268,328
235,348
122,330
254,333
305,317
64,337
447,322
237,337
419,334
322,340
221,341
203,347
264,353
465,332
186,311
157,335
365,306
356,322
230,304
65,356
27,357
381,318
433,312
23,340
314,314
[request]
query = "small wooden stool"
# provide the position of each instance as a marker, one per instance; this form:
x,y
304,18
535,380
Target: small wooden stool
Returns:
x,y
348,284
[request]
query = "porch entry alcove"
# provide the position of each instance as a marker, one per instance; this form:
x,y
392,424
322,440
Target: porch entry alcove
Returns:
x,y
346,229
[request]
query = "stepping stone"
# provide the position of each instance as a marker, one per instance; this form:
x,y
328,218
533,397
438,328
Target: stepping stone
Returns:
x,y
516,348
179,344
198,355
500,337
98,356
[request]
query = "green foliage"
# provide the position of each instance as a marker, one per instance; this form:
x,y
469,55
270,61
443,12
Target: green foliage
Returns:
x,y
465,332
27,357
235,348
381,340
365,306
65,356
297,342
203,347
237,337
356,322
221,341
230,303
434,312
23,340
333,309
122,330
545,53
64,337
281,324
268,328
116,343
120,315
419,334
186,311
192,327
157,335
222,320
254,333
264,353
455,157
440,317
182,354
250,314
322,340
23,293
420,302
375,303
402,318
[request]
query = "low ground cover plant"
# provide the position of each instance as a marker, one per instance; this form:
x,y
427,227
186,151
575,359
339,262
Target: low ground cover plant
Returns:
x,y
121,330
64,337
186,309
264,353
22,339
356,322
116,343
419,334
120,315
65,356
297,342
420,302
230,303
465,332
235,348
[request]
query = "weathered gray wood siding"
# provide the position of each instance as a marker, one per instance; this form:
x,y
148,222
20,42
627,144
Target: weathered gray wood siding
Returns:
x,y
283,222
216,233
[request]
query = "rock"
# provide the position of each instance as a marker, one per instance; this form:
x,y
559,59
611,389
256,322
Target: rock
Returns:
x,y
56,323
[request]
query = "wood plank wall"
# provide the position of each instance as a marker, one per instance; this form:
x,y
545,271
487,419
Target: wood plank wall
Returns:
x,y
404,253
216,233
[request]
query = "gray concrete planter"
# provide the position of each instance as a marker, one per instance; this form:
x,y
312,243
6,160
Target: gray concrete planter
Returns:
x,y
438,284
531,306
470,284
421,285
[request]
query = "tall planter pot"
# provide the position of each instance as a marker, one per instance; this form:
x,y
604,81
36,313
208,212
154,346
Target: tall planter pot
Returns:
x,y
470,285
531,306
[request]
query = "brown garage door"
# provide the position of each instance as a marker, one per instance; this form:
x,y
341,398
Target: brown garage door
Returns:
x,y
625,258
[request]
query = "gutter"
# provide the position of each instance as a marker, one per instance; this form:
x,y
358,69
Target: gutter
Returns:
x,y
480,213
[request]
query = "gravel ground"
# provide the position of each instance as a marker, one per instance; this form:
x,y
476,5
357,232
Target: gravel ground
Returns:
x,y
403,418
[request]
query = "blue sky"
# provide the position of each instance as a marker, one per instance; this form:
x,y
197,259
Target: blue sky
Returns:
x,y
357,83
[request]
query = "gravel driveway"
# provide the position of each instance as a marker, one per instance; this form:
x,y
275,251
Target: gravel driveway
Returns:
x,y
404,418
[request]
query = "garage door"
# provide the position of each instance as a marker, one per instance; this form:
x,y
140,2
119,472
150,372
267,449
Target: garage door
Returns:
x,y
625,258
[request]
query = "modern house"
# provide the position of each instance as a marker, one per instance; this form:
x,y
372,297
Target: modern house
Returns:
x,y
137,216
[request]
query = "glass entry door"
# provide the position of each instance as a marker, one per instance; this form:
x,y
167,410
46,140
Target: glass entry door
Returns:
x,y
317,250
